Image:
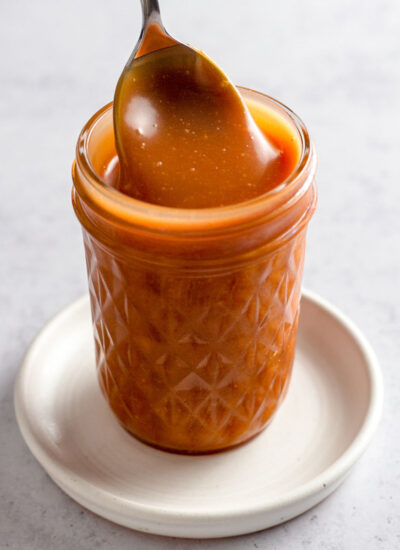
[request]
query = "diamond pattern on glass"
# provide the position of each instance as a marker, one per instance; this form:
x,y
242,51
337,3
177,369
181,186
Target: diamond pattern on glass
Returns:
x,y
194,362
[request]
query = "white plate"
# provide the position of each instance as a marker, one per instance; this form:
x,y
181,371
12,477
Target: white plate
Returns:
x,y
330,413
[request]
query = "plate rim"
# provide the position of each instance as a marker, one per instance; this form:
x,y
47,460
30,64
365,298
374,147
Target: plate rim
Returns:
x,y
96,499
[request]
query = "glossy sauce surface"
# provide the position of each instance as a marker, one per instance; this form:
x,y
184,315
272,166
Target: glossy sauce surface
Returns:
x,y
184,135
198,193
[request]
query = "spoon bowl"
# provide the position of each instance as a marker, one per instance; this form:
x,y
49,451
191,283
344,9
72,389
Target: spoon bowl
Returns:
x,y
184,135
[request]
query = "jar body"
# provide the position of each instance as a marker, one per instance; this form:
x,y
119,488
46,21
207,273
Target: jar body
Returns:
x,y
194,362
195,332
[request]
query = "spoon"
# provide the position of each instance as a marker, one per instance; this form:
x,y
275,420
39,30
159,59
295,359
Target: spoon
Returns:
x,y
184,136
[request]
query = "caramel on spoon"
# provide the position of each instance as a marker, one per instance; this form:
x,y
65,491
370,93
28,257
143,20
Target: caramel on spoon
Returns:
x,y
183,133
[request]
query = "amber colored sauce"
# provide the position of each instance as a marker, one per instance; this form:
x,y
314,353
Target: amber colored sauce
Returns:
x,y
185,137
193,362
194,358
275,129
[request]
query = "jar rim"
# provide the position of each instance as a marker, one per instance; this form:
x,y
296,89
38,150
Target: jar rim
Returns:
x,y
171,219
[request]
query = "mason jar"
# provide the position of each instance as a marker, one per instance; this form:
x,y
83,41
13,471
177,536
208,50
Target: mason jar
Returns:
x,y
194,312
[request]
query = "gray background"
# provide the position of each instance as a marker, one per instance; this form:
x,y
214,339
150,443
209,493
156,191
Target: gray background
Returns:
x,y
337,64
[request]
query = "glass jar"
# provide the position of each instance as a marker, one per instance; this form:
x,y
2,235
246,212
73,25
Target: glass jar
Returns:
x,y
194,312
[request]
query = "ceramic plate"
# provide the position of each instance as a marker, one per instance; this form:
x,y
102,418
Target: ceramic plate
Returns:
x,y
325,423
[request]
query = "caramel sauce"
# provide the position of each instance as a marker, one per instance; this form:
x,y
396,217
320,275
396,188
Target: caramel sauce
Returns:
x,y
185,137
194,334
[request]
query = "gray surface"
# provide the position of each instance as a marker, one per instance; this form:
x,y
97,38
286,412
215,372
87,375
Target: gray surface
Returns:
x,y
337,65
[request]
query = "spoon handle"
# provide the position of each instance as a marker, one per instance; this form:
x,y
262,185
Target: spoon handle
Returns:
x,y
153,35
151,12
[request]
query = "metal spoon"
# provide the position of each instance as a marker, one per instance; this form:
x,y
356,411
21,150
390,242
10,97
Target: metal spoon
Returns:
x,y
183,133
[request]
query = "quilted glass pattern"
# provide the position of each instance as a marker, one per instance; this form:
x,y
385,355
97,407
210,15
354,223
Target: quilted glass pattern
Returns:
x,y
194,362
